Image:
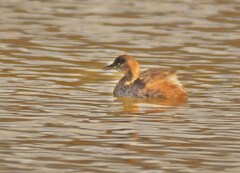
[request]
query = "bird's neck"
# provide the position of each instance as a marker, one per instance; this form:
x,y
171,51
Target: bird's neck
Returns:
x,y
131,75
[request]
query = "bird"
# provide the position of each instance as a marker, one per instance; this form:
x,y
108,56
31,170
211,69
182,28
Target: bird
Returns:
x,y
159,83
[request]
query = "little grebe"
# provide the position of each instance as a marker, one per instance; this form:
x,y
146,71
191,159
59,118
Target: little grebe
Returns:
x,y
152,83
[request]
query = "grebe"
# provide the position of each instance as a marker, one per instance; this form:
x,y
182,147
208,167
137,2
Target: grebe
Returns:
x,y
152,83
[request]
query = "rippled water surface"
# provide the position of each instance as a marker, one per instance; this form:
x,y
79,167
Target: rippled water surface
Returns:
x,y
57,111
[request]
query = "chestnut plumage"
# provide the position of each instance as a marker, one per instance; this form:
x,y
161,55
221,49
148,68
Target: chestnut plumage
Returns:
x,y
152,83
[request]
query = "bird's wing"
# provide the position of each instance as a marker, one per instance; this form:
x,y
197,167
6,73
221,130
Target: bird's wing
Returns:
x,y
156,74
155,81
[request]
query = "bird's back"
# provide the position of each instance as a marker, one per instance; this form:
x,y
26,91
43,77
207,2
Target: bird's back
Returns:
x,y
156,74
160,83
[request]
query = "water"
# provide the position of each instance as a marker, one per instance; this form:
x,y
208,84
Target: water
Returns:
x,y
57,111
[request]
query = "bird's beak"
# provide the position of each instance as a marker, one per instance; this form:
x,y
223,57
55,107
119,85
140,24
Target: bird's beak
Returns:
x,y
110,67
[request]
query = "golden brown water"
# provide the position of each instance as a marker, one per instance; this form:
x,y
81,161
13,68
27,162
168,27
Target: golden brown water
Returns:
x,y
57,111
